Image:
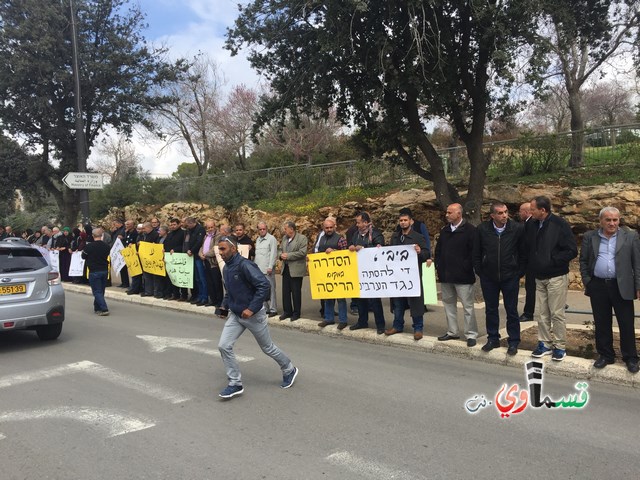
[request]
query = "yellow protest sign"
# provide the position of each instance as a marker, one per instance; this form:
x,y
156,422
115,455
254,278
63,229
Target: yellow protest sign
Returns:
x,y
130,255
152,258
334,275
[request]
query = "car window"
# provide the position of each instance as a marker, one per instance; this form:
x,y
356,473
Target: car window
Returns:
x,y
20,260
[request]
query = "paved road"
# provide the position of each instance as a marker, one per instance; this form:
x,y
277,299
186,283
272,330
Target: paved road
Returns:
x,y
111,400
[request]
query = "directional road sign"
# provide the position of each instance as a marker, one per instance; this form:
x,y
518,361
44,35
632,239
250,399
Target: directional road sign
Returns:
x,y
83,180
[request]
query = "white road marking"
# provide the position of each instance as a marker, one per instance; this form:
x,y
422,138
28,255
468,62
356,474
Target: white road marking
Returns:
x,y
161,344
364,468
112,422
96,370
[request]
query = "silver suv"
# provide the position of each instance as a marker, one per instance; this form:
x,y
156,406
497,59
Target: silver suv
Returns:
x,y
31,295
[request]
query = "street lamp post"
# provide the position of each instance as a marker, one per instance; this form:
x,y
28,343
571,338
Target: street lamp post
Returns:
x,y
80,139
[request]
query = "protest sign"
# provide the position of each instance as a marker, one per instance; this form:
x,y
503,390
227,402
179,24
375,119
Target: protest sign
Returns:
x,y
76,268
429,284
389,272
334,275
152,258
179,267
117,260
130,256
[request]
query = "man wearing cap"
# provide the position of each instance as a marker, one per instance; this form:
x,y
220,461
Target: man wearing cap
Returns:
x,y
246,291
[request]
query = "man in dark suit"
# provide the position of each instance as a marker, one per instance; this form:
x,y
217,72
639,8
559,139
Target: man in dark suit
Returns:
x,y
610,269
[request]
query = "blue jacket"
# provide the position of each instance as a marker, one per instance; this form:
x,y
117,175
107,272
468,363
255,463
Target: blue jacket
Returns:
x,y
246,286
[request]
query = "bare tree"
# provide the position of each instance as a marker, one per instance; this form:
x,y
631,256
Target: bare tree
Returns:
x,y
580,36
234,122
551,111
188,117
118,159
304,136
608,103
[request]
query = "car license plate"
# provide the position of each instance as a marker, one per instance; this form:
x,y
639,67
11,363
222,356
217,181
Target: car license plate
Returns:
x,y
13,289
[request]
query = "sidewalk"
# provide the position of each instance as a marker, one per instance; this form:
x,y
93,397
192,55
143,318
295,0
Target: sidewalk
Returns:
x,y
435,325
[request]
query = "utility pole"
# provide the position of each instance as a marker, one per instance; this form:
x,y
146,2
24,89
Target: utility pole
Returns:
x,y
80,139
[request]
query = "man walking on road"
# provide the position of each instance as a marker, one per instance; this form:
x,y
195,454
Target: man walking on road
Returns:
x,y
610,269
96,256
247,289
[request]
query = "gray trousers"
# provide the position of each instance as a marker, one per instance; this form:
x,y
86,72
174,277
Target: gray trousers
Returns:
x,y
450,293
258,326
271,304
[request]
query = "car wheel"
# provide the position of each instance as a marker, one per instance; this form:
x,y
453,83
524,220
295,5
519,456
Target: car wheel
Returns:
x,y
49,332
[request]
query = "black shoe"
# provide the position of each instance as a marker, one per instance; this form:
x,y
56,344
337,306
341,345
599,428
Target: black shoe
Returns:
x,y
209,304
380,331
182,299
446,337
123,286
471,342
357,327
602,362
525,318
143,294
512,350
342,326
284,316
272,314
194,301
200,304
131,292
295,317
487,347
632,366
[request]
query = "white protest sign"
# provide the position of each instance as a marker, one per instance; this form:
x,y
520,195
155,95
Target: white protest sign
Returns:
x,y
54,258
76,268
389,272
117,260
45,253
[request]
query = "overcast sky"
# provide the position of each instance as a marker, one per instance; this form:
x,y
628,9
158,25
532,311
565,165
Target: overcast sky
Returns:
x,y
187,27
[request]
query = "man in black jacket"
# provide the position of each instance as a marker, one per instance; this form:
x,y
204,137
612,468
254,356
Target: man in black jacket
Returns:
x,y
408,236
551,245
193,239
498,259
149,235
366,236
173,244
455,272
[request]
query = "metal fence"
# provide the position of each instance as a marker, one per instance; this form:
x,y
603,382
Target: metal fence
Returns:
x,y
523,156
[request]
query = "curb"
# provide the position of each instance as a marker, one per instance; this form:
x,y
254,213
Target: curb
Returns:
x,y
573,367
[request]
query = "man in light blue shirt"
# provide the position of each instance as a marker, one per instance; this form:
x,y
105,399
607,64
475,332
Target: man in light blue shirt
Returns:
x,y
610,269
